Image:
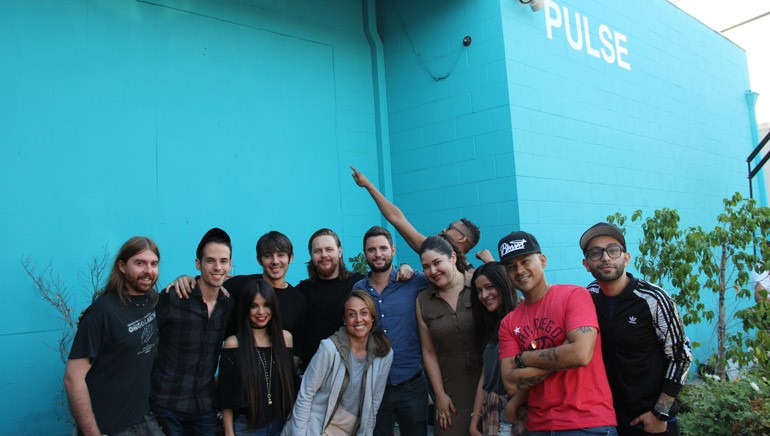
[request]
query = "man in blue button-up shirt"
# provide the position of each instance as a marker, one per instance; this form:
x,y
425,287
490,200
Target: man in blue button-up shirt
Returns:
x,y
406,395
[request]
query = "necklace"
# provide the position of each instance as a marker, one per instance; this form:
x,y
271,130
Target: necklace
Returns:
x,y
268,378
536,329
146,300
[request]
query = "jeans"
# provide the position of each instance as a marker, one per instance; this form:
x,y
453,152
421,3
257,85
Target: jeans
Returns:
x,y
592,431
148,427
241,427
186,423
505,427
406,403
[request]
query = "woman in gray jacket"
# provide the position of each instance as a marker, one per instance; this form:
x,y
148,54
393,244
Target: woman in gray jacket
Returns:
x,y
343,385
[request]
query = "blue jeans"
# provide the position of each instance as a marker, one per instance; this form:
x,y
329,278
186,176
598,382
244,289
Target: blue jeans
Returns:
x,y
186,423
241,427
592,431
406,403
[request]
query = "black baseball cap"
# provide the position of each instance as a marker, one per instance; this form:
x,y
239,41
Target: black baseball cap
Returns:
x,y
517,244
602,229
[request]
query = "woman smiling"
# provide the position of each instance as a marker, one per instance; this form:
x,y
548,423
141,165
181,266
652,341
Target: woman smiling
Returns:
x,y
343,385
446,329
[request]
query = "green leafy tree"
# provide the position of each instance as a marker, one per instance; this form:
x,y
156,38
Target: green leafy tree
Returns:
x,y
719,260
358,263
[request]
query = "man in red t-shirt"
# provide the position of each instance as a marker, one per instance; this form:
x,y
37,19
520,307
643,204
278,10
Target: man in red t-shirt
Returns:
x,y
549,348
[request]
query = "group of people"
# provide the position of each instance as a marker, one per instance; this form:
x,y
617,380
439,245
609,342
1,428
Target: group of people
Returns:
x,y
344,353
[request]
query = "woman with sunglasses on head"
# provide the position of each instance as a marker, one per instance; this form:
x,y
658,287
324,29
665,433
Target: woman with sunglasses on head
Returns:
x,y
344,383
494,411
256,386
445,324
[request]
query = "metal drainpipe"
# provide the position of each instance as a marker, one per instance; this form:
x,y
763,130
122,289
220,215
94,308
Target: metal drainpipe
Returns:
x,y
382,131
751,102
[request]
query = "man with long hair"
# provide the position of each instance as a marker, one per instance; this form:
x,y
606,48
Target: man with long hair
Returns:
x,y
327,287
192,329
108,372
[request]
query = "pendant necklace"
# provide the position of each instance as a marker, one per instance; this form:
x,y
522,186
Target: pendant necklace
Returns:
x,y
536,330
268,378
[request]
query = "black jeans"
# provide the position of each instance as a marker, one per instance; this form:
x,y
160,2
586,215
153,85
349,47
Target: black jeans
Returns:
x,y
407,404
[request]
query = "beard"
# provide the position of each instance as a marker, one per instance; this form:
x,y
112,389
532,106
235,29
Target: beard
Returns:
x,y
324,271
379,269
607,276
132,283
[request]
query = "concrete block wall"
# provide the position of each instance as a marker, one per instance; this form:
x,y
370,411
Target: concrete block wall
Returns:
x,y
451,140
666,127
166,118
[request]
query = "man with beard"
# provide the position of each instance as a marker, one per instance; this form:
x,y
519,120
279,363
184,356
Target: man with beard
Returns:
x,y
183,389
108,372
327,287
549,348
406,394
646,353
462,233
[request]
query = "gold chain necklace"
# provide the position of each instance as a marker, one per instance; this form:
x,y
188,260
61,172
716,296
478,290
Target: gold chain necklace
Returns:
x,y
268,378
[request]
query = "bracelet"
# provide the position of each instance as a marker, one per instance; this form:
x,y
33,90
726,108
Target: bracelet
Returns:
x,y
476,414
519,361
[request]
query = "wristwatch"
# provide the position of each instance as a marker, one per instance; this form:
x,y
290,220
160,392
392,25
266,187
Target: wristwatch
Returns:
x,y
519,361
662,416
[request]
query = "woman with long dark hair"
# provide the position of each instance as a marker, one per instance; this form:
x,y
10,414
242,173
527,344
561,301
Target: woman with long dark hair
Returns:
x,y
343,385
445,324
494,411
256,388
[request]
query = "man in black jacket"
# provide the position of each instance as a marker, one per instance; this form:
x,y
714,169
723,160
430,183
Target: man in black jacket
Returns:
x,y
646,353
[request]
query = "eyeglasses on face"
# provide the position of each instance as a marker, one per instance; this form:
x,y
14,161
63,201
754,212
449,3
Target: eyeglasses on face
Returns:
x,y
452,226
596,253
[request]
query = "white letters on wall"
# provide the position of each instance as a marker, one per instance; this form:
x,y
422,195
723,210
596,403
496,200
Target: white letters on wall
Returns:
x,y
577,29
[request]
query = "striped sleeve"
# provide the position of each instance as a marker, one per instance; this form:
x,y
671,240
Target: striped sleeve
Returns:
x,y
670,332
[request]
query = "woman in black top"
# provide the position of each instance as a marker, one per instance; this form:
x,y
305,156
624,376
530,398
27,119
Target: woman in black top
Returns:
x,y
256,389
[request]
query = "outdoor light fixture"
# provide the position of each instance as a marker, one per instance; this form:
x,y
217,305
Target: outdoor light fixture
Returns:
x,y
536,5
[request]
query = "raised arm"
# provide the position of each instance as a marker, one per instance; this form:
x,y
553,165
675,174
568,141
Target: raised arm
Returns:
x,y
391,212
78,396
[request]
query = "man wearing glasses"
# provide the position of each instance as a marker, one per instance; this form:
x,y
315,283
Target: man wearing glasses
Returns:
x,y
646,353
464,233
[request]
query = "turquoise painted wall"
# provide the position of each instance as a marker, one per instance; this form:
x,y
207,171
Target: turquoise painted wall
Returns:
x,y
166,118
550,138
666,125
451,139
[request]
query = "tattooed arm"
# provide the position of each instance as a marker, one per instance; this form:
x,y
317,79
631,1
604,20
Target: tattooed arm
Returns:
x,y
576,351
519,379
650,422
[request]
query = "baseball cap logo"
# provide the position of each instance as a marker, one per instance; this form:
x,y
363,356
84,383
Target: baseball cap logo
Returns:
x,y
514,245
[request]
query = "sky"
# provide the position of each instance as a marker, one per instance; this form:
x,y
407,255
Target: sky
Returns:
x,y
754,37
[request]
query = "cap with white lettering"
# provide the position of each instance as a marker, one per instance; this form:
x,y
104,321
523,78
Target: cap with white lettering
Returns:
x,y
517,244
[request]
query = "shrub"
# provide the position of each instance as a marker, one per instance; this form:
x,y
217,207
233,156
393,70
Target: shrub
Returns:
x,y
715,407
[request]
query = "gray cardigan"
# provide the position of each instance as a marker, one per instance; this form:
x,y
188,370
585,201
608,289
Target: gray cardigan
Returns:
x,y
321,388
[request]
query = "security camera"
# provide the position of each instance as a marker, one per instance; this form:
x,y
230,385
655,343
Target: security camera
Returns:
x,y
536,5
